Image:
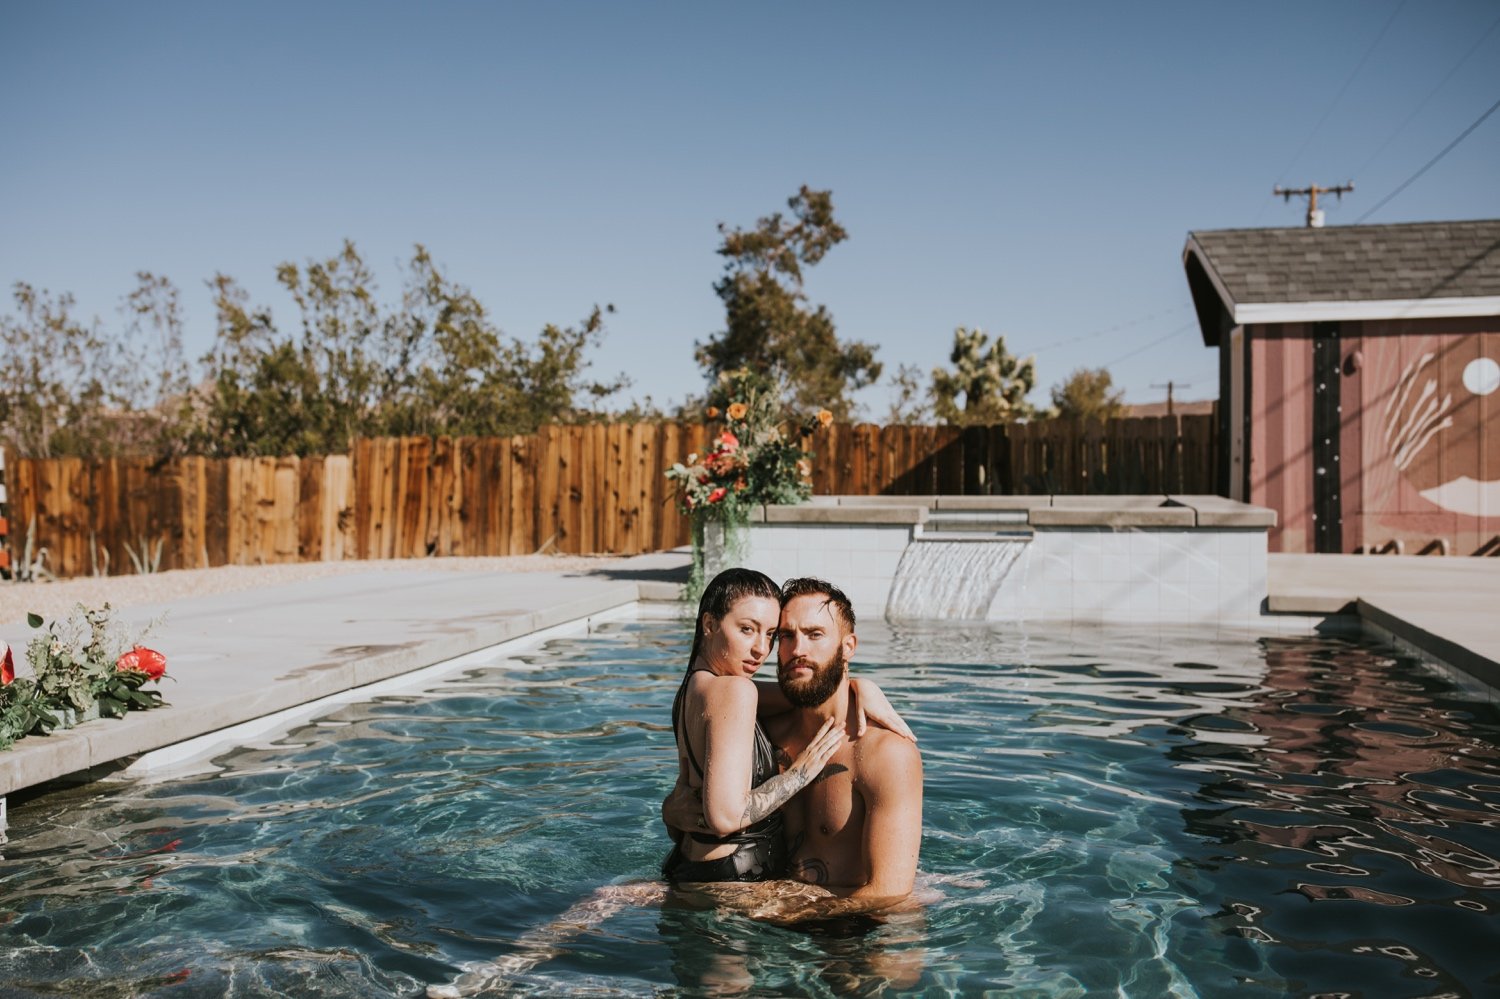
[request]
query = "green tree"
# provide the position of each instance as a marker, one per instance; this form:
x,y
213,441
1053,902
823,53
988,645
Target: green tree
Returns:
x,y
769,327
432,364
53,378
910,406
993,383
158,410
1088,394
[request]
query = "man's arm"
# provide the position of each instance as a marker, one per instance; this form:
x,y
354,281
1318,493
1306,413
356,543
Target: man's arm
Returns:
x,y
890,781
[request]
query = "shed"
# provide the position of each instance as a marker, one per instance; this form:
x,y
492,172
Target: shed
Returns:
x,y
1358,377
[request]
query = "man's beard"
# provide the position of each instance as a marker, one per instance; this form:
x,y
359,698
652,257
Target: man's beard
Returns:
x,y
817,688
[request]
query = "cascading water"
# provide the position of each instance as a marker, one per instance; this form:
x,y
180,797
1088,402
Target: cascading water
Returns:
x,y
950,580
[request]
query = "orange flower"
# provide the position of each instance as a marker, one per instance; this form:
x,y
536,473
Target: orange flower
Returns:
x,y
825,417
142,660
7,668
737,410
713,412
718,494
740,485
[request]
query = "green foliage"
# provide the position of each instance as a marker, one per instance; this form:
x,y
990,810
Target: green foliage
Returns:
x,y
1088,394
77,671
769,328
53,377
910,406
993,383
756,459
70,388
22,711
432,364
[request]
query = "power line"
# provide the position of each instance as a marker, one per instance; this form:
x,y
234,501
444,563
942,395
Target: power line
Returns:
x,y
1430,95
1111,329
1335,102
1144,347
1429,165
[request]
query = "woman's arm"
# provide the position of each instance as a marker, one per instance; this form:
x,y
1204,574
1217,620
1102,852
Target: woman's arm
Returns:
x,y
729,802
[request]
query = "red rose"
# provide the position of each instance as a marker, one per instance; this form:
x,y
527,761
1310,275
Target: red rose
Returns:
x,y
7,667
143,660
718,494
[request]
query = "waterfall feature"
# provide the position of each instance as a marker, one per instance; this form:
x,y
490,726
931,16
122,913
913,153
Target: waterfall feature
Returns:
x,y
950,580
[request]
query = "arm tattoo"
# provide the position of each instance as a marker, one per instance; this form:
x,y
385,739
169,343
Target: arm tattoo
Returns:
x,y
774,793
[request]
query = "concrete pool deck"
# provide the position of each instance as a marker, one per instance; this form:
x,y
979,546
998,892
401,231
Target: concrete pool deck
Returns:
x,y
240,656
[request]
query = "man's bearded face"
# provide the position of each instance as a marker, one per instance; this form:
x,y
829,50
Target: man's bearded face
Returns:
x,y
806,691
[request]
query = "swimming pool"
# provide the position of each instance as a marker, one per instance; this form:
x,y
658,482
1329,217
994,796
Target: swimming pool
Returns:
x,y
1148,812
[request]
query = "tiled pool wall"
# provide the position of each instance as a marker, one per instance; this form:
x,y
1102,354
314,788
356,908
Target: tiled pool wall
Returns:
x,y
1181,559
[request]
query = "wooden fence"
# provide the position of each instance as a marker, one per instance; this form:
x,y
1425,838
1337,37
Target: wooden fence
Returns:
x,y
595,488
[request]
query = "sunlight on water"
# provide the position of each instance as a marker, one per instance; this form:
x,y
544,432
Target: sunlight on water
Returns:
x,y
1107,811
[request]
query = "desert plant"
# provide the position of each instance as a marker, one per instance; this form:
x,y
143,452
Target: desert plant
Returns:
x,y
147,559
32,566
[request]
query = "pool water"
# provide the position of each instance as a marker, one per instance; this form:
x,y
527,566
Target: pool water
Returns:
x,y
1143,813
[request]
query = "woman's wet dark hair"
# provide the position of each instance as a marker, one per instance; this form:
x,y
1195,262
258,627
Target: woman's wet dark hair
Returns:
x,y
723,592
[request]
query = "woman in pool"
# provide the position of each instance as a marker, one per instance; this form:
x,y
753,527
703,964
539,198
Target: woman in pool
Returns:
x,y
722,751
724,757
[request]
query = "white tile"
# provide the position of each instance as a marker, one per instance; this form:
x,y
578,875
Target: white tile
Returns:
x,y
864,563
1116,567
1189,603
1116,594
1088,598
1175,563
1145,601
1057,544
1053,567
1086,557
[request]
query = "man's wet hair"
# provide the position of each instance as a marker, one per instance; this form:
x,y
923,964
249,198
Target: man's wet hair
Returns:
x,y
723,592
833,596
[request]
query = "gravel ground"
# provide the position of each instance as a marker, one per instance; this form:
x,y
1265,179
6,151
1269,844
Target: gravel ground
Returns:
x,y
57,598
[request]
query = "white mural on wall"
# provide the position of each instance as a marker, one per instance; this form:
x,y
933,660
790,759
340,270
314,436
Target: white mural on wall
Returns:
x,y
1417,412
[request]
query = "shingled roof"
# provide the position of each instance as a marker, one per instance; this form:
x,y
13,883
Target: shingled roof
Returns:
x,y
1412,270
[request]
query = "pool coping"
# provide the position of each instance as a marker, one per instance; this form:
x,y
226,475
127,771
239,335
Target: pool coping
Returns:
x,y
342,634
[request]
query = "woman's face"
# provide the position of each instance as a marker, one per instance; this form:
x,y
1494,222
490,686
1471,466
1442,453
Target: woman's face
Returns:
x,y
737,643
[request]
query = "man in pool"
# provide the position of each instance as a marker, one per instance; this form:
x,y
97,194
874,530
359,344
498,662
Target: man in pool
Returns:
x,y
853,833
856,829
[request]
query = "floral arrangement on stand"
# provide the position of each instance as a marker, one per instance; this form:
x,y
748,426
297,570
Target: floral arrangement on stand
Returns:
x,y
756,458
82,669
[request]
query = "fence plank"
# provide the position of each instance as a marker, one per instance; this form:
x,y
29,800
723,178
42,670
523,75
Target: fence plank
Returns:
x,y
581,488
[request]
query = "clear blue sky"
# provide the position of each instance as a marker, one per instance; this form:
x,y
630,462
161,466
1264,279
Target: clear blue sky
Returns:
x,y
1032,169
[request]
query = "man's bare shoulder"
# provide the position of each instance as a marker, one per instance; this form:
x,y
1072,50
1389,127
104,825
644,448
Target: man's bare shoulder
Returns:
x,y
886,760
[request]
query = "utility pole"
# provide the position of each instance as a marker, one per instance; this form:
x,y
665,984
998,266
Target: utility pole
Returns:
x,y
1311,192
1169,386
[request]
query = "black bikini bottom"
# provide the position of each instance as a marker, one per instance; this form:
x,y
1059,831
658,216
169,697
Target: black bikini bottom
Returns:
x,y
758,859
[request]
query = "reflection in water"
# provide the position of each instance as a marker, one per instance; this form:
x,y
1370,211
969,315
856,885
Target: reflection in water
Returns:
x,y
1110,811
